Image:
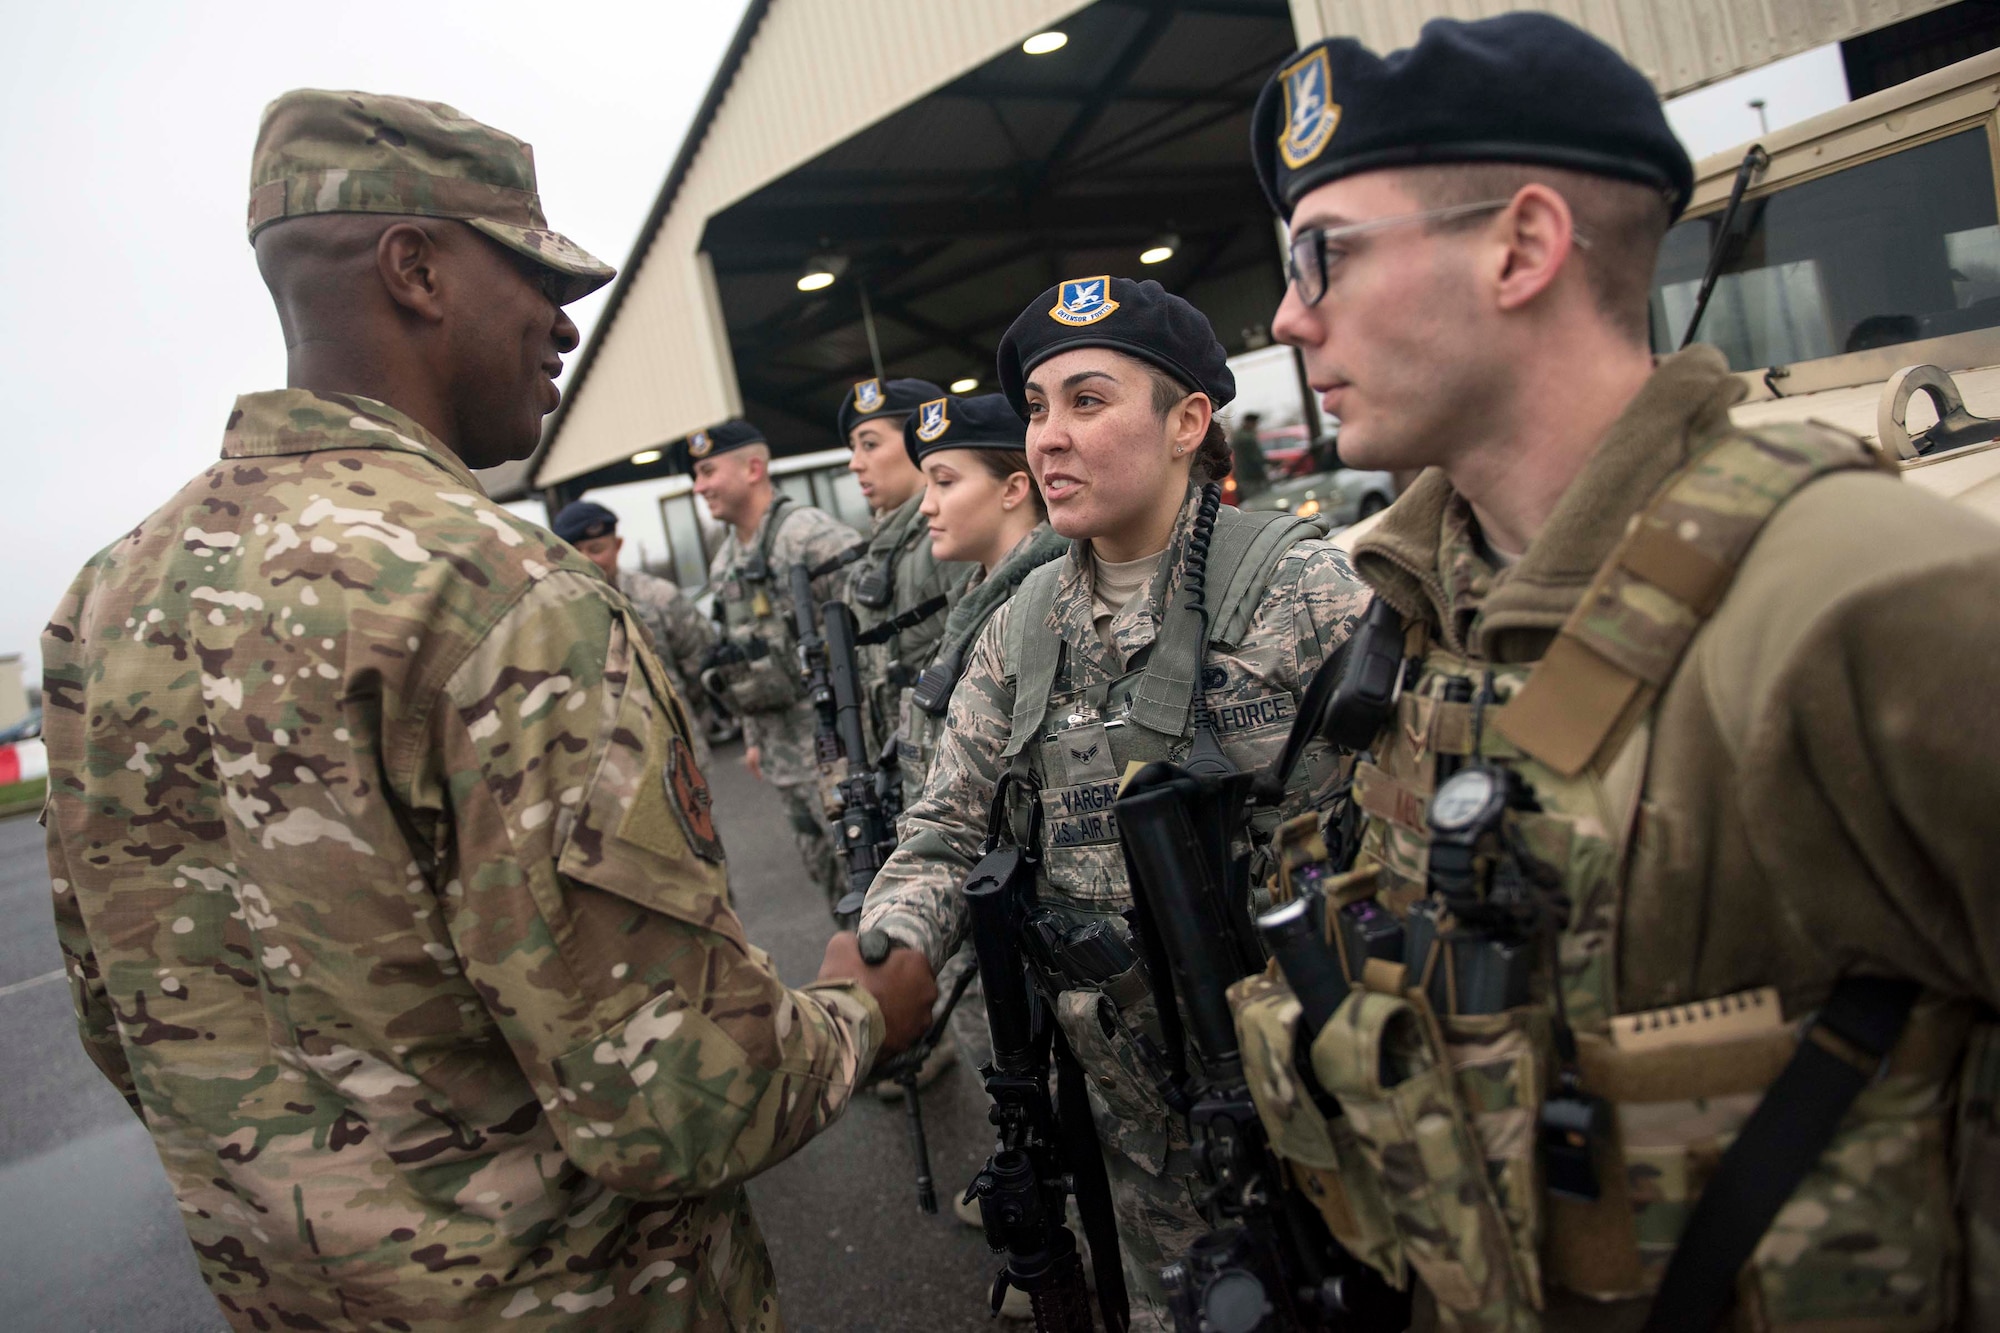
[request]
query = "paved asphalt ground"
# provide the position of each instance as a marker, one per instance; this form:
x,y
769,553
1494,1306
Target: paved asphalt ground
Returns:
x,y
90,1238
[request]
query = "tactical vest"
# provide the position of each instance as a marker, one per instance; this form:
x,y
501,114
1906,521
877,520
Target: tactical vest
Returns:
x,y
922,707
762,674
899,572
1071,744
1436,1164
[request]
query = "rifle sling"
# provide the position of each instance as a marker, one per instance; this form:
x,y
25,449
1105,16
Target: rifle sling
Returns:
x,y
837,562
1778,1146
889,629
1093,1185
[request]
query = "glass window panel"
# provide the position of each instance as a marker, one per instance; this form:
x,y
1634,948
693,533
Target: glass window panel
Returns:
x,y
1904,247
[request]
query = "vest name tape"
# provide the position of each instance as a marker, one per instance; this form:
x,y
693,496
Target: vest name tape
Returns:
x,y
1080,814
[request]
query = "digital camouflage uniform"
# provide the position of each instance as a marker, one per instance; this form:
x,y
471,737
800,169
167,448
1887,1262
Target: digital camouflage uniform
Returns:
x,y
784,739
680,633
919,731
899,564
1313,600
390,899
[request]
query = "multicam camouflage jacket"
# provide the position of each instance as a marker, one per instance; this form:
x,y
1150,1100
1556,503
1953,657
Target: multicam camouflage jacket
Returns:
x,y
803,536
390,897
899,562
1779,799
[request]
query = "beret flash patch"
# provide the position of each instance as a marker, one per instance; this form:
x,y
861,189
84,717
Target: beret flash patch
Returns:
x,y
1310,113
931,420
1083,301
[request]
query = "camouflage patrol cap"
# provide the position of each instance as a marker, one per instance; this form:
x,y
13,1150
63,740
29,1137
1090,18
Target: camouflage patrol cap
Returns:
x,y
350,152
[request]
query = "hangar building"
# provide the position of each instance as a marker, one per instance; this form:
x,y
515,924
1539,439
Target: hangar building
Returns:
x,y
964,174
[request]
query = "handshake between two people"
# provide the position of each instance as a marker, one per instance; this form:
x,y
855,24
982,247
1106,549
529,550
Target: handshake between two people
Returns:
x,y
901,984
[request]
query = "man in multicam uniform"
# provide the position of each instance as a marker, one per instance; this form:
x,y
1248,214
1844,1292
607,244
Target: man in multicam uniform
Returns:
x,y
1737,684
898,576
1120,442
679,632
768,534
386,883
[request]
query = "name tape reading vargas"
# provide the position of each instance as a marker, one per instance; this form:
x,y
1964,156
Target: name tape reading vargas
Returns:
x,y
1080,814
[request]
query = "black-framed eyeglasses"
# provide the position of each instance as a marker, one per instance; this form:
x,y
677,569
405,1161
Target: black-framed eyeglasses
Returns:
x,y
1313,254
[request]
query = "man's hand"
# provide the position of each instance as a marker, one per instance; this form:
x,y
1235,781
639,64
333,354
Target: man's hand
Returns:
x,y
753,760
902,985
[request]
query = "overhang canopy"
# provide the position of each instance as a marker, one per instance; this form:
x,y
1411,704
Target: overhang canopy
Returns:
x,y
953,177
801,76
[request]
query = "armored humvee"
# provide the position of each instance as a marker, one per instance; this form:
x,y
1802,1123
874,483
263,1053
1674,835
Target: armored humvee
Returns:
x,y
1857,277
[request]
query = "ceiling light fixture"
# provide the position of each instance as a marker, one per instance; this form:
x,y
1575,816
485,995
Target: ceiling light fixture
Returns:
x,y
966,385
645,456
1160,251
1044,42
821,271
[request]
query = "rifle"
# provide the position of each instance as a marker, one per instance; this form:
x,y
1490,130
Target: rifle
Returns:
x,y
813,665
1269,1263
1047,1149
864,825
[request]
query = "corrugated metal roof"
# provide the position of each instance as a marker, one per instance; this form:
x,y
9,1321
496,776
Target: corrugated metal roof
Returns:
x,y
1680,45
811,75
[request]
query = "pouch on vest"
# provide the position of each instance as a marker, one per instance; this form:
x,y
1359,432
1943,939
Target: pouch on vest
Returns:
x,y
1323,1155
1385,1060
764,684
1132,1117
1848,1249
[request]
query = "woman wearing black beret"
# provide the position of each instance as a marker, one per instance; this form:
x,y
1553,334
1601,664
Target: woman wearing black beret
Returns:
x,y
1113,655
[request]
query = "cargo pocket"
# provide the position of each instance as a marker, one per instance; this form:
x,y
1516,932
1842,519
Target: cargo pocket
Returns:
x,y
1382,1057
1321,1153
644,827
1132,1118
1501,1063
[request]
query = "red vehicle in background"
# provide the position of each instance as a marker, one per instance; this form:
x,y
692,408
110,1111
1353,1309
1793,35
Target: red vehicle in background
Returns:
x,y
1287,454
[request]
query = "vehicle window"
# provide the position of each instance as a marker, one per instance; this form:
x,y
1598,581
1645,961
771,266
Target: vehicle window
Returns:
x,y
1890,251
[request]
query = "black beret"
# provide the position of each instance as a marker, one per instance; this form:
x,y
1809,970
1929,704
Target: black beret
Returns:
x,y
1519,87
1141,319
582,520
717,440
985,422
871,399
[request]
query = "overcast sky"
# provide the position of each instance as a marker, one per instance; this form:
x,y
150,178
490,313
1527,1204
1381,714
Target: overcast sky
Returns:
x,y
125,135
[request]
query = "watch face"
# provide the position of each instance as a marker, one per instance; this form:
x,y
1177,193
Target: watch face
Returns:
x,y
1463,798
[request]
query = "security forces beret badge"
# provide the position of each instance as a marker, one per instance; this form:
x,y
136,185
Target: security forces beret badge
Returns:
x,y
699,445
868,396
1311,115
1082,301
932,420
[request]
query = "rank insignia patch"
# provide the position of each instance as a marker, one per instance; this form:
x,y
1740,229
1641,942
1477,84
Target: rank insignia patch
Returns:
x,y
1310,113
688,794
931,420
868,396
699,444
1083,301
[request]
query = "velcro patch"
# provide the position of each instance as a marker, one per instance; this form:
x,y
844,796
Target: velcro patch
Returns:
x,y
1080,814
1267,710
